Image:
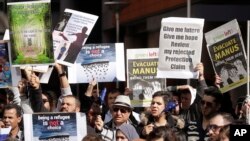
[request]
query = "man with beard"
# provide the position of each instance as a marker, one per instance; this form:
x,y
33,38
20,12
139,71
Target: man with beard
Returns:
x,y
210,104
70,104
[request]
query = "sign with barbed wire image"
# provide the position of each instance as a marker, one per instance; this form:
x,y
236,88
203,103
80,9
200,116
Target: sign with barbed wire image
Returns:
x,y
141,75
102,62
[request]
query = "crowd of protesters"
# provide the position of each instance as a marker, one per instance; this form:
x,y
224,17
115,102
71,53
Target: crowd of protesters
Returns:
x,y
178,113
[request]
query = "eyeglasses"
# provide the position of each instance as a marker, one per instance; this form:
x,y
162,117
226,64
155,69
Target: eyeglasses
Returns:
x,y
214,127
209,104
122,110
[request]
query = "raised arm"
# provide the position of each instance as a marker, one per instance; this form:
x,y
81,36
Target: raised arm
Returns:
x,y
217,81
35,93
89,97
201,80
64,84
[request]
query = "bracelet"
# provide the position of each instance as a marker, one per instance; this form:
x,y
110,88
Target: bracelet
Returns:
x,y
62,74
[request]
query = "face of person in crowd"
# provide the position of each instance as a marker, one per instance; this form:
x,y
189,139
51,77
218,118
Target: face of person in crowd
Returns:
x,y
157,106
46,102
244,107
2,106
120,136
90,115
185,100
208,106
69,105
111,98
95,92
22,85
215,124
10,118
176,111
120,114
3,102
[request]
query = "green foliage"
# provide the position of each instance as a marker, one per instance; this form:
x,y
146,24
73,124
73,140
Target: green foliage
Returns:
x,y
31,20
33,60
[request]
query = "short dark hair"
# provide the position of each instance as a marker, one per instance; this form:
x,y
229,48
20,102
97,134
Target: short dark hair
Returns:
x,y
166,96
184,91
214,92
14,106
51,96
164,132
112,91
96,109
92,137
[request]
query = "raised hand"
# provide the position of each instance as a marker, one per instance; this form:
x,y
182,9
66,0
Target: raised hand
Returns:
x,y
217,81
34,81
200,69
147,129
99,123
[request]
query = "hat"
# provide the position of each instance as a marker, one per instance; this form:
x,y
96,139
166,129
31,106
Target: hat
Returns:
x,y
122,100
129,131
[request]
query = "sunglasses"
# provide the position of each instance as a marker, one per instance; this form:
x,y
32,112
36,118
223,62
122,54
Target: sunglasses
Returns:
x,y
122,110
214,127
209,104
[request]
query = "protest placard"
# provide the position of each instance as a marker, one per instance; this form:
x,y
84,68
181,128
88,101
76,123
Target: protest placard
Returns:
x,y
227,54
9,76
30,32
180,47
102,62
70,35
54,126
141,75
4,133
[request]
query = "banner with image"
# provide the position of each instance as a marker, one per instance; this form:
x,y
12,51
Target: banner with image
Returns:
x,y
9,76
70,35
55,126
180,47
30,33
141,75
227,53
102,62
